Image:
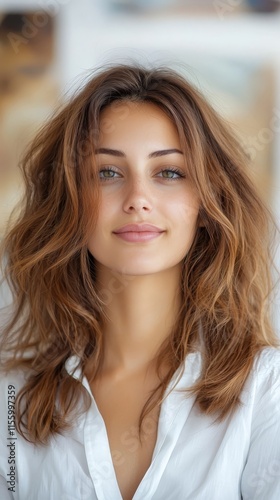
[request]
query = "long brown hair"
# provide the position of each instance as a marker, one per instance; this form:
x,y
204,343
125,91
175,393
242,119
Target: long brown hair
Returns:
x,y
57,310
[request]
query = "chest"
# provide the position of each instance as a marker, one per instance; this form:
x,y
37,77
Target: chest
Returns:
x,y
120,406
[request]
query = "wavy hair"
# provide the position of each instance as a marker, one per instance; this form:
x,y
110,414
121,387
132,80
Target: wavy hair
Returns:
x,y
57,310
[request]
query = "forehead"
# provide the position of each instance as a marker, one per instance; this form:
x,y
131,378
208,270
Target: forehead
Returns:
x,y
124,109
136,119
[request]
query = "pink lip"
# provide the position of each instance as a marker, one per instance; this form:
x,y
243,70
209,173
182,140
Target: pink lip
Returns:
x,y
138,232
138,228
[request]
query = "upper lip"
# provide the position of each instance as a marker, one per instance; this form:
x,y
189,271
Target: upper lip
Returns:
x,y
139,228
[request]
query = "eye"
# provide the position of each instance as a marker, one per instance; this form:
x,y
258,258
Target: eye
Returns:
x,y
107,173
171,174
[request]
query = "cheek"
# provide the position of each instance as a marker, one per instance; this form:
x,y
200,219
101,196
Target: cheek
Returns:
x,y
187,221
105,211
110,202
184,214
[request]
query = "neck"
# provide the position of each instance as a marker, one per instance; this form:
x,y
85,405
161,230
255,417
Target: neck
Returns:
x,y
139,315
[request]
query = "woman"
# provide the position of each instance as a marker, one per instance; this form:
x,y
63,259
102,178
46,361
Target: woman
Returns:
x,y
140,362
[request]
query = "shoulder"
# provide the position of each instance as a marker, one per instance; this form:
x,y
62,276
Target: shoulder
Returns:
x,y
260,477
10,384
263,384
267,365
11,381
5,294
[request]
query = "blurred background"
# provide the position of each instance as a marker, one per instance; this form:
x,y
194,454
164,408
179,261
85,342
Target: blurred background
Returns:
x,y
229,49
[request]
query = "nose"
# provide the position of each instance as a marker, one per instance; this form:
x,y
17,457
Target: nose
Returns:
x,y
137,197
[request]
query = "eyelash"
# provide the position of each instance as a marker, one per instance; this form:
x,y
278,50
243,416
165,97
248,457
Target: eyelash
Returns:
x,y
171,169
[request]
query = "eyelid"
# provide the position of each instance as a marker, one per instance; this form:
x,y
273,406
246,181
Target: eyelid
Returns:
x,y
176,170
108,168
180,173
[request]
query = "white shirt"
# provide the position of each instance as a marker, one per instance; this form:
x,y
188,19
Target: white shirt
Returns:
x,y
195,458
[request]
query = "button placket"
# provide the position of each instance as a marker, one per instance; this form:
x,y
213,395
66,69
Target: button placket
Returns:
x,y
173,415
99,456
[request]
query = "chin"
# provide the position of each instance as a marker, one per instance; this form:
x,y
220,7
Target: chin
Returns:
x,y
139,269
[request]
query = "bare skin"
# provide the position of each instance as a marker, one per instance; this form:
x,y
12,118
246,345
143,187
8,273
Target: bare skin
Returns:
x,y
141,281
128,375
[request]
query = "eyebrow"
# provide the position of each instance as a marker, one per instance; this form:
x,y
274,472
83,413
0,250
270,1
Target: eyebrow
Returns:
x,y
155,154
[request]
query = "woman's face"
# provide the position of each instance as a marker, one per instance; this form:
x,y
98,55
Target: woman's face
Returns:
x,y
143,180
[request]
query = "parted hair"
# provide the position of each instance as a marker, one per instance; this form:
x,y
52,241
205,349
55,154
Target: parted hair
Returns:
x,y
57,311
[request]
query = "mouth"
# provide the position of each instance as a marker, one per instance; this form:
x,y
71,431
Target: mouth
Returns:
x,y
138,228
138,232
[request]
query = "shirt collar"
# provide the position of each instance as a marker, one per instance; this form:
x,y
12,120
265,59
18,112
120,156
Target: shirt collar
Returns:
x,y
187,374
73,367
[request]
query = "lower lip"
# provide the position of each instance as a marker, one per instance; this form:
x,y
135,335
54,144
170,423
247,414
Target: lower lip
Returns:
x,y
138,237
